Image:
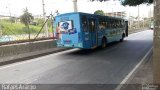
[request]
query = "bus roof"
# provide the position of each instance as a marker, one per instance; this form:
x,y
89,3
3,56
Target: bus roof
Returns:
x,y
88,14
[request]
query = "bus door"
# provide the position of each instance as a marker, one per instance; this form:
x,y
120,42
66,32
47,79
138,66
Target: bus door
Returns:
x,y
92,30
126,28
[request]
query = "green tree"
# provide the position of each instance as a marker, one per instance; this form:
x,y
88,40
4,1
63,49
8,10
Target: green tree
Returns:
x,y
135,2
130,2
99,12
26,19
99,0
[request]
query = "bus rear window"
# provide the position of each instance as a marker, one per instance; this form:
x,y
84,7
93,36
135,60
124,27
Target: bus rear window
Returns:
x,y
66,27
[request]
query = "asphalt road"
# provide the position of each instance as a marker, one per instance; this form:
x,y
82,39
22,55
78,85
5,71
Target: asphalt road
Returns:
x,y
76,66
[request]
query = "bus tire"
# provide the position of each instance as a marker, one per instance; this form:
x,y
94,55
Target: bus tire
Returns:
x,y
122,39
104,42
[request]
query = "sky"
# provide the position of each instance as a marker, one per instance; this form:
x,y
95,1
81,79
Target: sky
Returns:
x,y
16,7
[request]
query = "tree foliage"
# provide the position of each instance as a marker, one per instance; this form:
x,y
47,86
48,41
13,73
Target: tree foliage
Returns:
x,y
130,2
99,12
99,0
136,2
26,18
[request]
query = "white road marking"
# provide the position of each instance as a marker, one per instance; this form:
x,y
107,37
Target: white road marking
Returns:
x,y
35,59
134,69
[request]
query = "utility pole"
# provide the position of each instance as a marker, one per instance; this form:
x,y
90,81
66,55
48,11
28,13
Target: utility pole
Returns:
x,y
156,45
113,3
138,18
27,19
9,10
112,12
75,5
44,17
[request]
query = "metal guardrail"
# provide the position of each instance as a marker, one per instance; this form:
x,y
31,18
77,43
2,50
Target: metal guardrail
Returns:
x,y
24,41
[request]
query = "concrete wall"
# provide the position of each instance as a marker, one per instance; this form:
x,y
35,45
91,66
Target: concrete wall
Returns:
x,y
15,51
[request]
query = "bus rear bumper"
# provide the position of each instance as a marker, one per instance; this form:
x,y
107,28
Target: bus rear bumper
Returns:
x,y
79,45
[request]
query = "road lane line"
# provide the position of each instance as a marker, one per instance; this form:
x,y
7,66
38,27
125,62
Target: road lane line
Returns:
x,y
134,69
35,59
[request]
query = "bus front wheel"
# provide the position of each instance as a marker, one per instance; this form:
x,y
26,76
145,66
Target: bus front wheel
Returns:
x,y
104,43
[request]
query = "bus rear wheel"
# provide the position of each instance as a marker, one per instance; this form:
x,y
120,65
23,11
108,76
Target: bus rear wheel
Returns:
x,y
104,43
122,39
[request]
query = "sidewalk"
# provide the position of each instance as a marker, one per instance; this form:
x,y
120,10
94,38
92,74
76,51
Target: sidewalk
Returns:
x,y
31,55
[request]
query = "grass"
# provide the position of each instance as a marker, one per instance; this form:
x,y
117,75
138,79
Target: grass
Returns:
x,y
9,28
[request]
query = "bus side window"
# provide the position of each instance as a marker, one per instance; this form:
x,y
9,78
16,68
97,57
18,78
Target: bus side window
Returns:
x,y
112,24
106,24
121,24
115,26
92,25
109,24
84,24
100,24
117,23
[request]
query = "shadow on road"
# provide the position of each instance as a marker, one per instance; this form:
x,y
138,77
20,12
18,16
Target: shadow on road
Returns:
x,y
91,51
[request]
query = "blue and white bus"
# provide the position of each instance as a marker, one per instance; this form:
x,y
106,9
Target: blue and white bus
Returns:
x,y
87,31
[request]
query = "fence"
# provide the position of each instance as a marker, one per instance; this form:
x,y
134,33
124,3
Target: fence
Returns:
x,y
15,31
